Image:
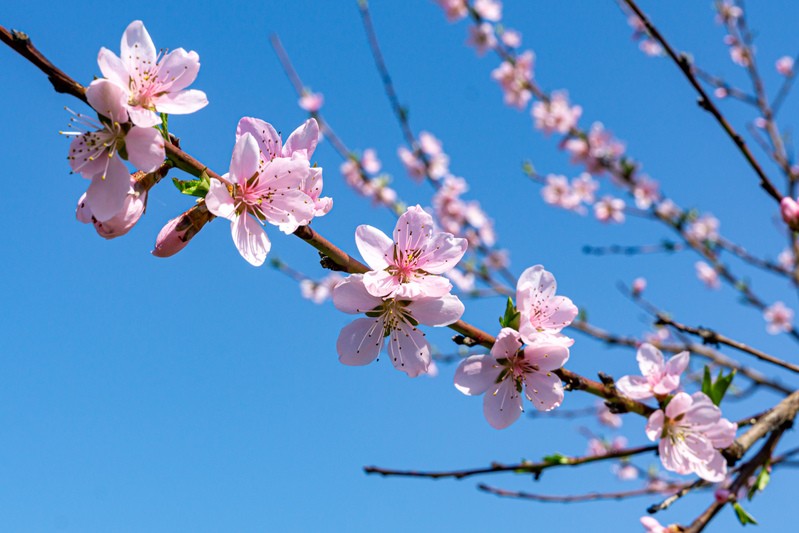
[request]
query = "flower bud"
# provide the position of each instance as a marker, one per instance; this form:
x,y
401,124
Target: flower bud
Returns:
x,y
790,212
180,230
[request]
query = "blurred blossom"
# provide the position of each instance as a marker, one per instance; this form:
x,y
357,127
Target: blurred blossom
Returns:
x,y
707,275
779,318
482,38
319,292
311,102
784,66
609,209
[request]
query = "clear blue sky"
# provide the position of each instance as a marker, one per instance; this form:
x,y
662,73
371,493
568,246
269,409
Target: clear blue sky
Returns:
x,y
145,394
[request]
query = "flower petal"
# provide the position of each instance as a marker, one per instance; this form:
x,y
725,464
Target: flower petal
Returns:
x,y
507,344
303,139
502,404
678,405
178,69
83,212
380,283
547,357
650,360
181,102
113,68
350,296
250,239
360,341
219,201
375,247
677,364
138,52
534,283
544,390
143,117
108,99
268,138
476,374
635,387
409,350
145,147
444,251
654,425
106,197
436,311
244,161
412,228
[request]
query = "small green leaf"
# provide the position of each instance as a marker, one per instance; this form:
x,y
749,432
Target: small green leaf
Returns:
x,y
198,188
707,382
556,459
743,517
761,482
511,317
716,390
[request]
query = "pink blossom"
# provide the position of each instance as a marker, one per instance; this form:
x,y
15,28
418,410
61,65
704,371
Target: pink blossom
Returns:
x,y
465,281
738,53
789,209
638,286
516,78
259,192
94,153
152,82
651,525
786,259
370,162
668,209
705,228
414,166
502,375
454,9
410,266
661,334
784,66
559,193
133,206
585,187
459,217
598,151
361,341
482,38
707,275
625,472
311,102
646,192
302,142
319,291
511,38
542,313
760,123
488,9
606,417
779,318
728,12
721,93
609,209
177,233
691,433
596,447
658,378
556,115
650,47
437,160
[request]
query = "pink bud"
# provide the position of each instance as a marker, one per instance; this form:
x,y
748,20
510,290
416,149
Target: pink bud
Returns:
x,y
721,93
785,66
790,212
127,217
639,284
311,102
722,495
179,231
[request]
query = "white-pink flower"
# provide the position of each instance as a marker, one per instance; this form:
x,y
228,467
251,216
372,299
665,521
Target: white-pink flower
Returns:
x,y
311,102
133,206
707,275
302,142
409,266
515,79
556,115
609,209
784,66
606,417
658,377
585,187
94,153
319,291
152,82
489,9
558,192
651,525
542,313
704,228
361,341
646,192
259,192
511,38
502,375
454,9
482,38
779,318
691,433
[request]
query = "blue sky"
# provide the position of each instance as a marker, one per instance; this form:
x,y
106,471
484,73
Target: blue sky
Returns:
x,y
198,393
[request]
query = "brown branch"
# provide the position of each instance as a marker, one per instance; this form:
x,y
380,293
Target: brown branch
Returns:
x,y
590,497
710,336
525,467
783,413
684,64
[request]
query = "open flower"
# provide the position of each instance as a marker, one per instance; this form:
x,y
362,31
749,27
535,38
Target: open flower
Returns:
x,y
541,312
302,141
779,318
361,341
691,433
658,378
152,82
93,151
259,192
133,206
506,371
410,266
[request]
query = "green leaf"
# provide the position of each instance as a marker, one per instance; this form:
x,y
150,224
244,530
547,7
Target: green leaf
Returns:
x,y
511,317
716,390
743,517
198,188
707,382
761,482
556,459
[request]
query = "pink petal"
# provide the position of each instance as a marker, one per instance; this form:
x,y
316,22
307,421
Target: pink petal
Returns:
x,y
502,404
558,313
137,48
375,247
650,360
535,283
666,384
547,357
245,158
219,201
507,344
409,350
108,99
268,138
83,212
85,160
143,117
181,102
544,390
250,239
424,287
145,147
303,139
635,387
436,311
721,434
350,296
360,341
702,411
678,405
444,252
677,364
411,226
654,425
125,219
288,210
714,470
476,374
106,197
380,283
178,69
113,68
